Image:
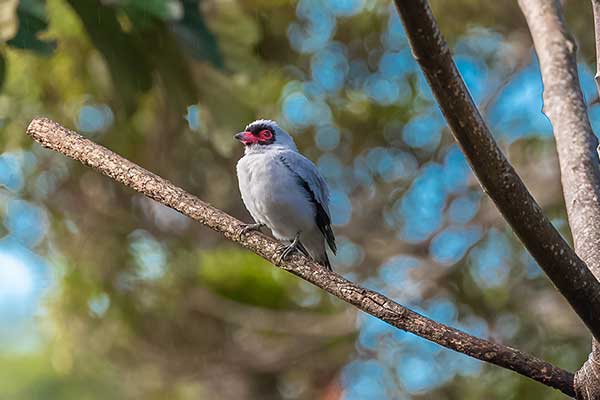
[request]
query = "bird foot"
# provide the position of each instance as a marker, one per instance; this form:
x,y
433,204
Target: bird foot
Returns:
x,y
286,250
249,228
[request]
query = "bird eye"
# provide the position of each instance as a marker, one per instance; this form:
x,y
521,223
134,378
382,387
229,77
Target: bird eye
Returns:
x,y
266,134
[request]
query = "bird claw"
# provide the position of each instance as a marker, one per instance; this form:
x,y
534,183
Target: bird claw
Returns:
x,y
286,250
249,228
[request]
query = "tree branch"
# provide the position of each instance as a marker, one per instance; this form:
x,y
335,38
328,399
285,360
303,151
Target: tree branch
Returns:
x,y
499,180
576,143
71,144
596,10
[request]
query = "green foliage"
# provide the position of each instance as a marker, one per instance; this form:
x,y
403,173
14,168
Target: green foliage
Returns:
x,y
146,10
123,52
2,69
110,331
46,378
32,21
193,32
126,34
8,20
246,278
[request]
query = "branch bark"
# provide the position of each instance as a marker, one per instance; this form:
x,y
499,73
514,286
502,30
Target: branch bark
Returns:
x,y
576,143
596,10
499,180
55,137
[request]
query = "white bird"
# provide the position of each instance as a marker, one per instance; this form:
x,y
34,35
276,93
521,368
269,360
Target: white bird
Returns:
x,y
284,191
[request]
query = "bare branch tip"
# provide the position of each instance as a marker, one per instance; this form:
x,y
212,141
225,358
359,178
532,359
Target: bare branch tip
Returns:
x,y
40,126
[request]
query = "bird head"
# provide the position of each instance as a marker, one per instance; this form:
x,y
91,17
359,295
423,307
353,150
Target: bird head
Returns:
x,y
264,134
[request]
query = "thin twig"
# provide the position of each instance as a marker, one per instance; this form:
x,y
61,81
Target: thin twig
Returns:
x,y
54,136
576,143
497,177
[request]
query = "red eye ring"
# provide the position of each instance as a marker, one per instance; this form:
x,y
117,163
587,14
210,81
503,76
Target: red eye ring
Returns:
x,y
266,134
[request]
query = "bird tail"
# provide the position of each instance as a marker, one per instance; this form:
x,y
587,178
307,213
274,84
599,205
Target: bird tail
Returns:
x,y
325,261
303,249
322,258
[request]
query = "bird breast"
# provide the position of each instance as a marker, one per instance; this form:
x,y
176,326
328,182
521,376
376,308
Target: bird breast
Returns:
x,y
274,197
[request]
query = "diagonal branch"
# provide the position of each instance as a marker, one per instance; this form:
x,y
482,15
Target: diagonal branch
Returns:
x,y
71,144
576,143
499,180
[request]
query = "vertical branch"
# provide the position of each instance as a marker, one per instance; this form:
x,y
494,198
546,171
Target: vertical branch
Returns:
x,y
576,143
497,177
596,10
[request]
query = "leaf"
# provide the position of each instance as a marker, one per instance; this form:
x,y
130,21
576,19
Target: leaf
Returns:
x,y
194,35
148,48
144,14
32,20
129,67
156,8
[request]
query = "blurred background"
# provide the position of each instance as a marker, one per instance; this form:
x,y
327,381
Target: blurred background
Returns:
x,y
105,294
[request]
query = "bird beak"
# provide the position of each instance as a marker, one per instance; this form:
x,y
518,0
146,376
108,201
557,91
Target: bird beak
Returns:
x,y
245,137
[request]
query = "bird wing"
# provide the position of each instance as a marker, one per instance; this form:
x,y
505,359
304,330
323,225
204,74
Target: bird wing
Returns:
x,y
316,189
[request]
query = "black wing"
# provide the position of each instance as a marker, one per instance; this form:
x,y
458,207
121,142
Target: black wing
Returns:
x,y
322,218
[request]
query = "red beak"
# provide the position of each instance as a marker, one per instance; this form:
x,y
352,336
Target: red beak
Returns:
x,y
246,137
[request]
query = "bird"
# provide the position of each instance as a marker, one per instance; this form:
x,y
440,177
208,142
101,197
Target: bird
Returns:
x,y
284,191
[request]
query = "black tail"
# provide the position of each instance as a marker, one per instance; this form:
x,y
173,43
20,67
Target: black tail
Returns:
x,y
324,261
303,249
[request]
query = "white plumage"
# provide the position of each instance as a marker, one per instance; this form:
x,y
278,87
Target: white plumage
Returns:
x,y
283,190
